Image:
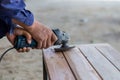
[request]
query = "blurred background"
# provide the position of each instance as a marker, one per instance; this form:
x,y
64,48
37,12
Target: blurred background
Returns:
x,y
86,22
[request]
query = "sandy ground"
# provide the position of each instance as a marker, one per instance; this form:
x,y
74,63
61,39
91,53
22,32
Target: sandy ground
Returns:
x,y
86,22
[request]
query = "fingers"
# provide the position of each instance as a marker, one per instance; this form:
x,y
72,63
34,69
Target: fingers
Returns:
x,y
39,45
28,36
47,42
20,31
17,32
25,49
53,39
44,44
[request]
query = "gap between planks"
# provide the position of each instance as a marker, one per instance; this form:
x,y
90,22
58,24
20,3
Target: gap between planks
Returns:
x,y
82,70
58,68
93,56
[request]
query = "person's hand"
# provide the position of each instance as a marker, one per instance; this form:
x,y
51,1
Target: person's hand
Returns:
x,y
42,34
17,32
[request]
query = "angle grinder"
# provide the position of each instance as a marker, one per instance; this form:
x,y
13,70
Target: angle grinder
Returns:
x,y
62,36
63,39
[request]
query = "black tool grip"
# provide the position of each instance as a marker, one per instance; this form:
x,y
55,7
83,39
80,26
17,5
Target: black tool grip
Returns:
x,y
21,42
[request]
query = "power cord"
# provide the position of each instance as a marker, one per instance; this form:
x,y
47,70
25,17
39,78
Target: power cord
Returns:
x,y
1,57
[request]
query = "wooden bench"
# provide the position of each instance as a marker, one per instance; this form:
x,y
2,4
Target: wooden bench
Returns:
x,y
84,62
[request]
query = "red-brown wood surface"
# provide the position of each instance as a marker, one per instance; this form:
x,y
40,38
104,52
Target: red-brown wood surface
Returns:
x,y
100,63
84,62
57,67
80,66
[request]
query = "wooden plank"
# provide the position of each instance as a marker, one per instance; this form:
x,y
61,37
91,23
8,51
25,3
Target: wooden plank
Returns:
x,y
57,66
98,44
80,66
100,63
111,54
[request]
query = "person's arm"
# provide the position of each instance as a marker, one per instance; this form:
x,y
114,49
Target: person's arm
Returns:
x,y
15,9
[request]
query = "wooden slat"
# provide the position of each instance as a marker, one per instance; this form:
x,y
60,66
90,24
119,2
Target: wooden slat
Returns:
x,y
111,54
80,66
100,63
57,67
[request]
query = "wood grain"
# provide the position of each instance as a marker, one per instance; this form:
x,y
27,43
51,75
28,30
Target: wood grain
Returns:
x,y
57,66
111,54
80,66
100,63
85,62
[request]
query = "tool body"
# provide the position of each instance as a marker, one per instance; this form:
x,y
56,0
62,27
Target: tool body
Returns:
x,y
63,39
21,42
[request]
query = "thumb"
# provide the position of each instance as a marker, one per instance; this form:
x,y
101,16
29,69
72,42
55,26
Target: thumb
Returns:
x,y
28,36
20,31
54,39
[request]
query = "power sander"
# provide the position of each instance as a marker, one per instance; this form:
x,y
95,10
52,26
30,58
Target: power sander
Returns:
x,y
62,36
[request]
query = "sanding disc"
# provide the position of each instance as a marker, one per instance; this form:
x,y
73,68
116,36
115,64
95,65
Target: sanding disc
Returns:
x,y
63,48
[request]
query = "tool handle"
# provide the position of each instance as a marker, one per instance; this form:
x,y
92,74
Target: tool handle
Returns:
x,y
21,42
